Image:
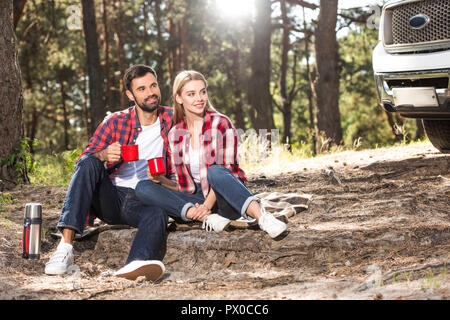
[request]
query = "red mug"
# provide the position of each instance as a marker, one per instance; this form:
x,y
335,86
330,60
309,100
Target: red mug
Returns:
x,y
156,166
130,152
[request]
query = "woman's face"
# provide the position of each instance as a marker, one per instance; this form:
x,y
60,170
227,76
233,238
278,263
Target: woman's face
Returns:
x,y
193,97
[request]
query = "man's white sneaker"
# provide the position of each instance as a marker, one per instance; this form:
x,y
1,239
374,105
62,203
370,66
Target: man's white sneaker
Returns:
x,y
215,222
61,260
151,269
271,225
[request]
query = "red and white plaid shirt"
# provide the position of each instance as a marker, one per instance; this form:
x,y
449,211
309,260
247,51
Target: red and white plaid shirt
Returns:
x,y
218,145
124,127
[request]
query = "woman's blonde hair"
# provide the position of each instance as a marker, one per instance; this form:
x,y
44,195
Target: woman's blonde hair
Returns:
x,y
180,81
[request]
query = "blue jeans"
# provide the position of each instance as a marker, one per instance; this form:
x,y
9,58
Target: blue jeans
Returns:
x,y
233,197
91,189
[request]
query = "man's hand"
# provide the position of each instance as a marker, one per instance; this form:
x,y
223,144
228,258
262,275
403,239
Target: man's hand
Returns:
x,y
112,153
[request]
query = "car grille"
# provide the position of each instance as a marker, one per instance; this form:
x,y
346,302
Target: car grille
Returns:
x,y
435,35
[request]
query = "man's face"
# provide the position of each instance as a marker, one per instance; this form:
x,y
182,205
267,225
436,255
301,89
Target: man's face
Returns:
x,y
145,92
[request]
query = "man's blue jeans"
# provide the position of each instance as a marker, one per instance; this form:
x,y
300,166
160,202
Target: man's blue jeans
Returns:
x,y
91,189
233,197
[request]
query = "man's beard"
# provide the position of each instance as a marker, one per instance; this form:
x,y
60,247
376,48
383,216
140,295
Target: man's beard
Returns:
x,y
148,107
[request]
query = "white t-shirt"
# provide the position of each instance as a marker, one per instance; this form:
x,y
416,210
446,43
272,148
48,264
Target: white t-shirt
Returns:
x,y
194,163
151,146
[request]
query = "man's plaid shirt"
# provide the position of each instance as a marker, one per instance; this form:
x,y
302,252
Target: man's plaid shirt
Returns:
x,y
124,127
218,145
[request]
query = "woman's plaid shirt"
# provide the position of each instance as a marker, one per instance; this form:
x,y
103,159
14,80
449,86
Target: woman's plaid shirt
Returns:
x,y
218,145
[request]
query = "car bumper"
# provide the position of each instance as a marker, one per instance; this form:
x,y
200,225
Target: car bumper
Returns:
x,y
403,76
384,83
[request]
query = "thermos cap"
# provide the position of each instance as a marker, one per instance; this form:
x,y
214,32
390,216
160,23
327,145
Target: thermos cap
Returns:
x,y
33,210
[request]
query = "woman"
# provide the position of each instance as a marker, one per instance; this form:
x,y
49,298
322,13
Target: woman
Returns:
x,y
207,177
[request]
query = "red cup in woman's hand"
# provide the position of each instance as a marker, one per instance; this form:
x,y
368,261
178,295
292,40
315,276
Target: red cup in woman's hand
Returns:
x,y
130,152
156,166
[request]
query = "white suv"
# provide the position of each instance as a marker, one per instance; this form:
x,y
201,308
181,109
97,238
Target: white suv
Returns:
x,y
412,64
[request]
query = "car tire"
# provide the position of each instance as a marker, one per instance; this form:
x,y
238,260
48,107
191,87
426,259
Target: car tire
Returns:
x,y
438,131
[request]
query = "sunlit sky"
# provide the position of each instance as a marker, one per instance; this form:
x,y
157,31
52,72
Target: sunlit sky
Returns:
x,y
242,9
239,8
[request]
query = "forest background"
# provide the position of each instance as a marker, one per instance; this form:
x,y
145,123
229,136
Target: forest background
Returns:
x,y
301,68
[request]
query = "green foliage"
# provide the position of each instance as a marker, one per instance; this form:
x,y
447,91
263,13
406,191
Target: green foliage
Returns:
x,y
51,56
362,117
55,169
6,198
20,159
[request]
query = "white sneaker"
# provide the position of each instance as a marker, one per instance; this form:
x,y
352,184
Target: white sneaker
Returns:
x,y
271,225
151,269
215,222
61,260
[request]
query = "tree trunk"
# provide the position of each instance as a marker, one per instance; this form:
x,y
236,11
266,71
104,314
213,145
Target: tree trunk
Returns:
x,y
33,127
259,91
233,74
96,86
420,130
173,56
146,37
326,85
120,52
311,85
160,70
285,103
86,114
65,114
184,42
394,127
109,80
18,9
32,121
12,161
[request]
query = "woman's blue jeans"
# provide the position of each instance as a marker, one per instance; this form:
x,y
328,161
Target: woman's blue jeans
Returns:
x,y
233,197
91,189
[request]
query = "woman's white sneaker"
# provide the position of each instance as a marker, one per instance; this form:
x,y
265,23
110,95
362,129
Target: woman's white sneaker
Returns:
x,y
271,225
61,260
215,222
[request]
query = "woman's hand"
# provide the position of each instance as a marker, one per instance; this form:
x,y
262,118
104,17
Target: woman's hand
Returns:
x,y
156,178
162,180
203,210
198,212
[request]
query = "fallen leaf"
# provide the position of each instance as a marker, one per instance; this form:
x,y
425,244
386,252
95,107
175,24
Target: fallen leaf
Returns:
x,y
229,261
378,296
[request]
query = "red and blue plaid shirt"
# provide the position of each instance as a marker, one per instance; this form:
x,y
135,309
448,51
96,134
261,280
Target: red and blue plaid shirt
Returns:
x,y
218,145
124,127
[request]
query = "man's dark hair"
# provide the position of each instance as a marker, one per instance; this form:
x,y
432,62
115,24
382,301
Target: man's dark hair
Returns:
x,y
136,71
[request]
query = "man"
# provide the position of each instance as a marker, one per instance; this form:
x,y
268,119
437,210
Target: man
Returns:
x,y
109,192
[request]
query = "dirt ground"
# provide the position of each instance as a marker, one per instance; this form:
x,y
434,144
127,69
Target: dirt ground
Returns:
x,y
377,226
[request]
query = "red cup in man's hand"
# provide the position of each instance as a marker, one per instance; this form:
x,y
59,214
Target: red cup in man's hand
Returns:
x,y
130,152
156,166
